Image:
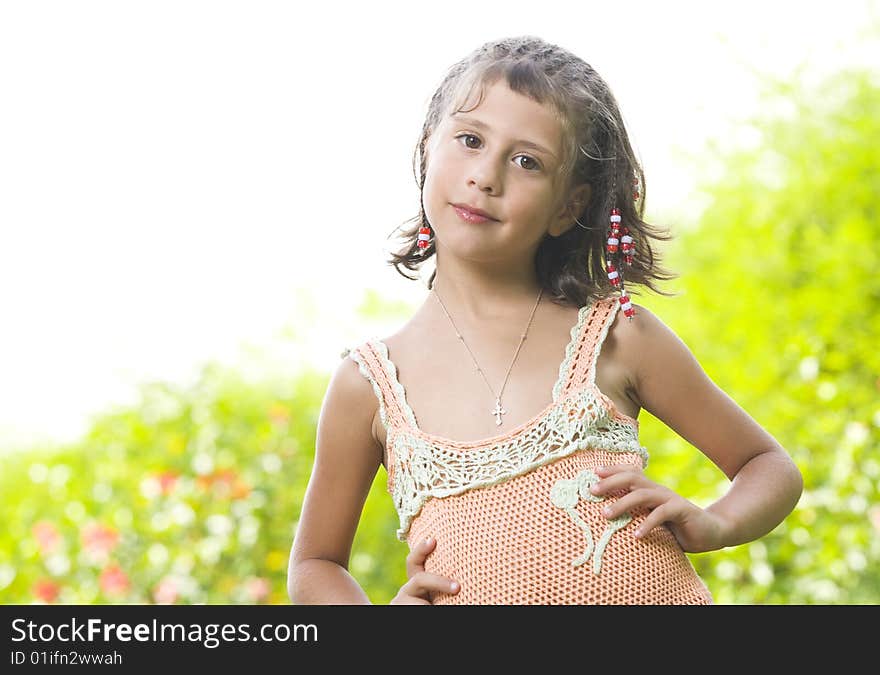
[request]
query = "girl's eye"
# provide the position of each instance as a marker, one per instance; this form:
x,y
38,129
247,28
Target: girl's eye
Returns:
x,y
530,159
466,136
537,166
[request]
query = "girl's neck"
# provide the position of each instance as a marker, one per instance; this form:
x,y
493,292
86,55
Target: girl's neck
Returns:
x,y
477,295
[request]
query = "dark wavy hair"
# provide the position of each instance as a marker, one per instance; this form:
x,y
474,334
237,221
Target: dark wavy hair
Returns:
x,y
597,151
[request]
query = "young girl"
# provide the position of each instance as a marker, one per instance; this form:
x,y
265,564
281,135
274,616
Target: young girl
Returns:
x,y
505,410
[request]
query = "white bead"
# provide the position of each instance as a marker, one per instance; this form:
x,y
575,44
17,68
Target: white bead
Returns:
x,y
615,219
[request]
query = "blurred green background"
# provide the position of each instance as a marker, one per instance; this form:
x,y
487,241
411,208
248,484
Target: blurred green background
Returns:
x,y
193,495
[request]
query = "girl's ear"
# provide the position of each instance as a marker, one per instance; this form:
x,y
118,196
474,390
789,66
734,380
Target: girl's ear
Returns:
x,y
574,206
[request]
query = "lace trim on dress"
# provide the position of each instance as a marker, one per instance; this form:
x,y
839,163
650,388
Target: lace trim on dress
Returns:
x,y
394,383
423,470
565,494
570,350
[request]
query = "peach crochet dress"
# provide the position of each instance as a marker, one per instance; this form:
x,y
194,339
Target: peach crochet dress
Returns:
x,y
513,515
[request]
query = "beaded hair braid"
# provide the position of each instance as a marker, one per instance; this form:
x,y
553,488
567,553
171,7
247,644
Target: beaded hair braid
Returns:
x,y
596,151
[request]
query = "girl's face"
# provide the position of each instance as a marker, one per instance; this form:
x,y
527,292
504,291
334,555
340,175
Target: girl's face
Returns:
x,y
501,157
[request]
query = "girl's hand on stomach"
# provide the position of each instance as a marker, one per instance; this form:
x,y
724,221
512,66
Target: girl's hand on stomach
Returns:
x,y
696,529
421,585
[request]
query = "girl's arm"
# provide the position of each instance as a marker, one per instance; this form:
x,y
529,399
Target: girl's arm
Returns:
x,y
670,384
347,456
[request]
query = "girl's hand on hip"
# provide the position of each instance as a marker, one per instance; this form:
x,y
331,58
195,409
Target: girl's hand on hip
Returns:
x,y
696,529
422,585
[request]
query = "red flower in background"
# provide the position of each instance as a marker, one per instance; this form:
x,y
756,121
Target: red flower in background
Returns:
x,y
225,483
47,536
240,489
165,592
113,580
99,540
167,481
46,590
257,589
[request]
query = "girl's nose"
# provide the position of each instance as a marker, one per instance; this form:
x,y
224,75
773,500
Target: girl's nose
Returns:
x,y
486,175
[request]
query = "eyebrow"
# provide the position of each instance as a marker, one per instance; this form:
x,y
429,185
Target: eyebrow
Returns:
x,y
473,121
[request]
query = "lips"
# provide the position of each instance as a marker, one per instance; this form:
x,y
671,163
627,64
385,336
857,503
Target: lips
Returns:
x,y
472,214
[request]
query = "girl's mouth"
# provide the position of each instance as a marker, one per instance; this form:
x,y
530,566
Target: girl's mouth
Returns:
x,y
471,217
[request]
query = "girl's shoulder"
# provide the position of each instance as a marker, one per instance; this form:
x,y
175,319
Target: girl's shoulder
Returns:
x,y
659,361
349,404
640,333
634,350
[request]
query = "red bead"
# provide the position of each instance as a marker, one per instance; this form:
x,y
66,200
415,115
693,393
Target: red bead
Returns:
x,y
613,274
615,211
424,230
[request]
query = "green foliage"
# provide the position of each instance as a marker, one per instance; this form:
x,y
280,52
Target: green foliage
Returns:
x,y
192,496
779,304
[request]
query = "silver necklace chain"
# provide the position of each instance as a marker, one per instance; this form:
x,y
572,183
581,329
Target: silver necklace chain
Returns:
x,y
498,411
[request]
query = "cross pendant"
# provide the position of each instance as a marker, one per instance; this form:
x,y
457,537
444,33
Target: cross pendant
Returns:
x,y
498,412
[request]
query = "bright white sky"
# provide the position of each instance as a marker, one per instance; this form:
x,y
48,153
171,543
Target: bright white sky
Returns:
x,y
174,175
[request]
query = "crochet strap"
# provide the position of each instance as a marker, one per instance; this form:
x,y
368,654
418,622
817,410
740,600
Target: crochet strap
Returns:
x,y
370,357
582,365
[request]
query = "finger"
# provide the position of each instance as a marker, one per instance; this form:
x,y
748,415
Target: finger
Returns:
x,y
415,561
623,481
425,582
612,469
645,498
656,518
